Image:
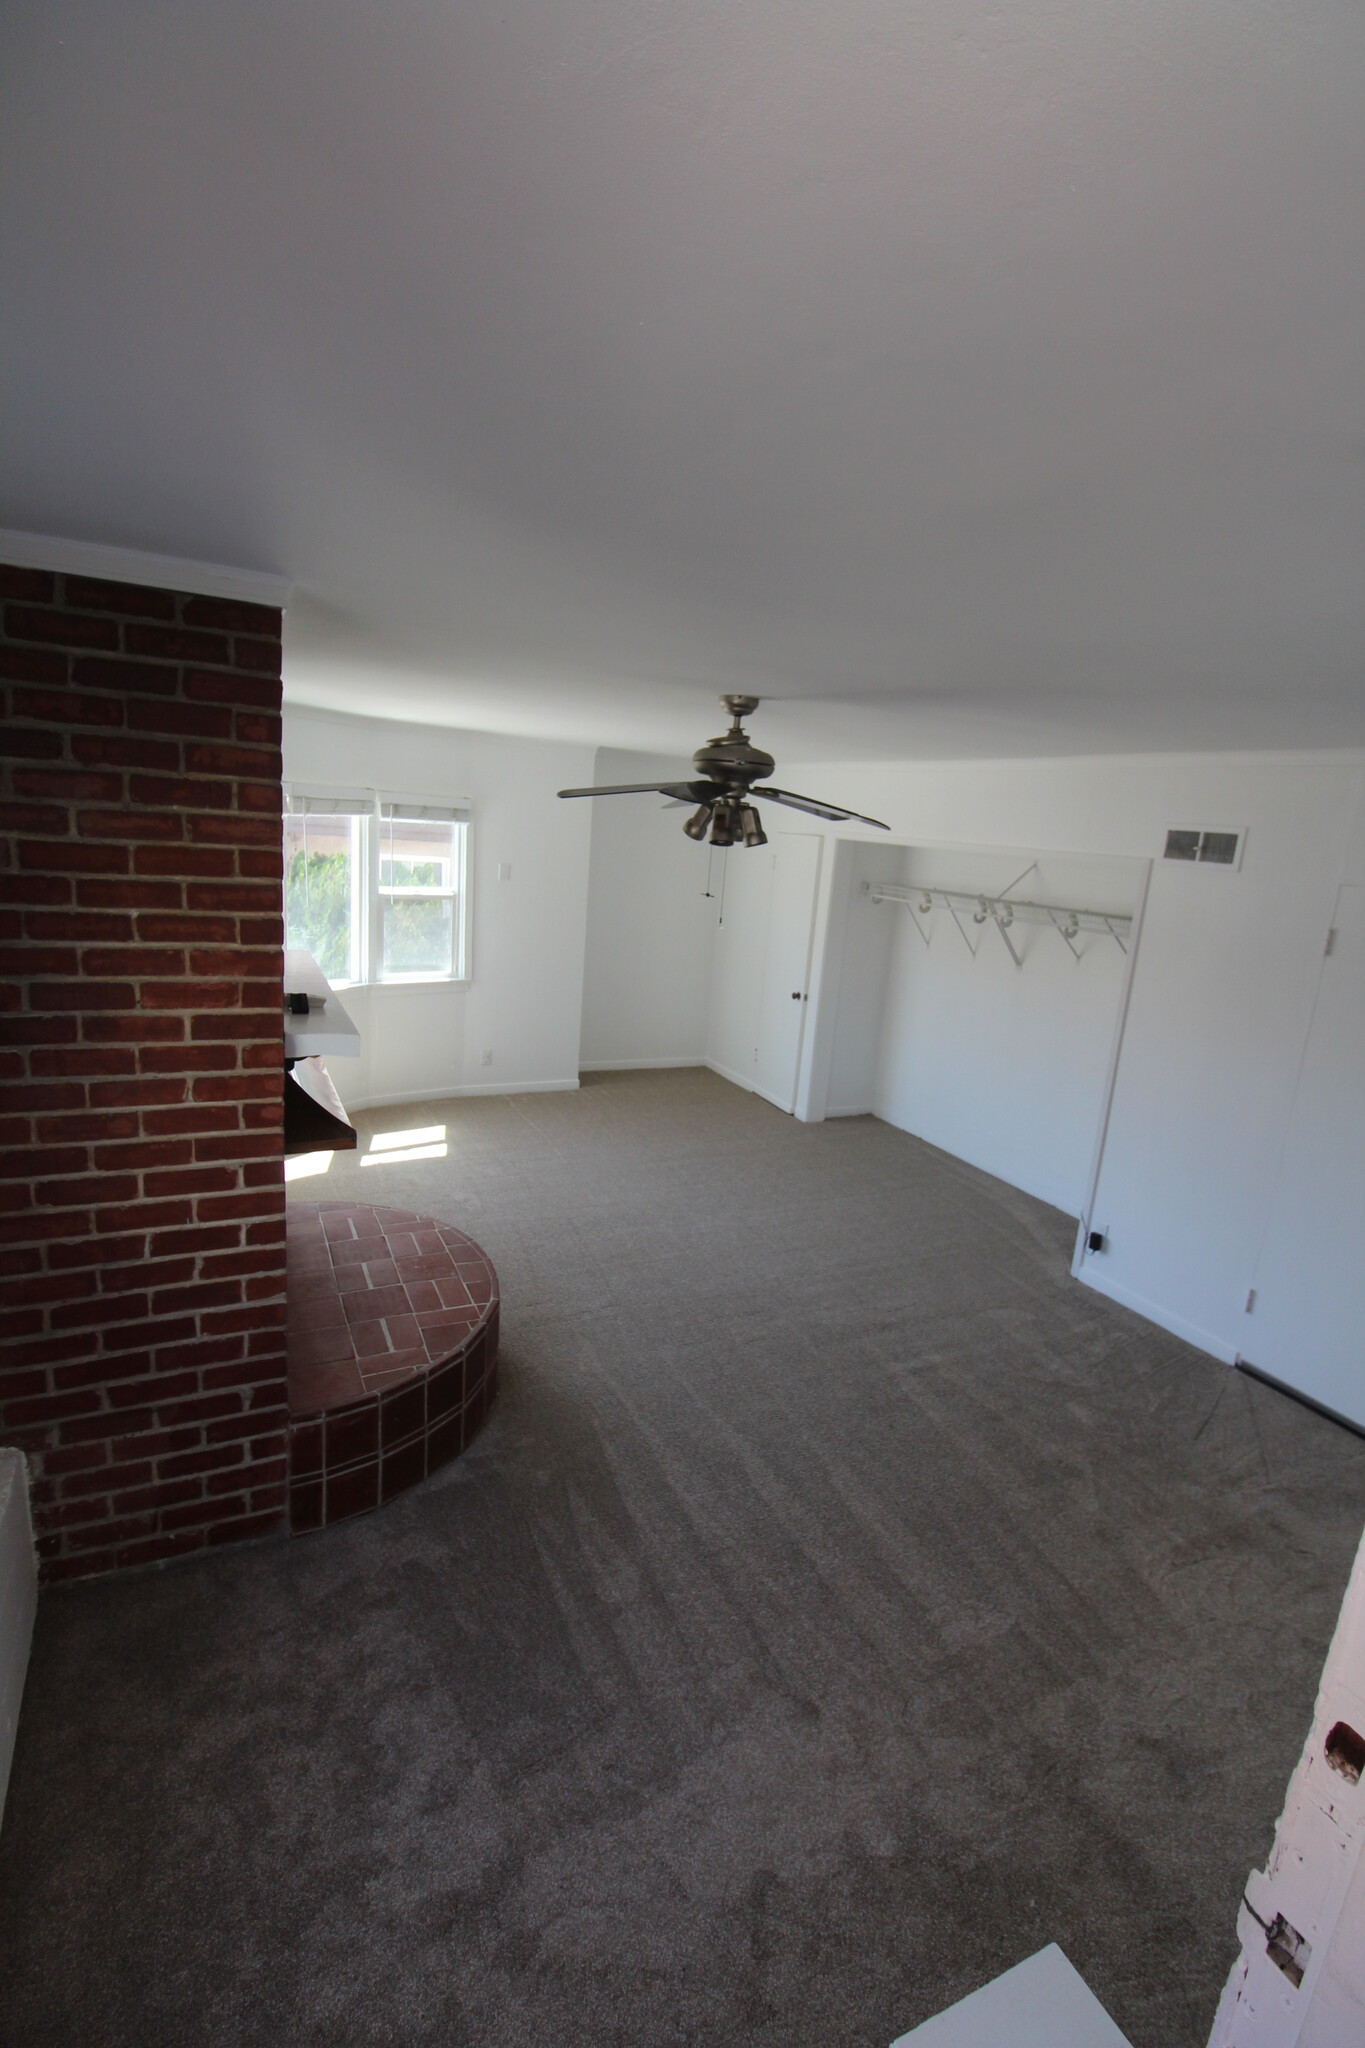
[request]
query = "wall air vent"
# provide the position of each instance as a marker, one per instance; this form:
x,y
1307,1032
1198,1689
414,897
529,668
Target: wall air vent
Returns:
x,y
1220,849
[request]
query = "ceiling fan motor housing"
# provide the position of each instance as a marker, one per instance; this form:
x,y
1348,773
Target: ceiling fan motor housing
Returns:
x,y
733,759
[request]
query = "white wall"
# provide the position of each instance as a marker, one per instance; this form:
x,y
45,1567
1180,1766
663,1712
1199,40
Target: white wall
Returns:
x,y
18,1600
1002,1065
651,925
524,998
1222,991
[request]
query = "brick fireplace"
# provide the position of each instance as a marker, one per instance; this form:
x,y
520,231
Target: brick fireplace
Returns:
x,y
142,1276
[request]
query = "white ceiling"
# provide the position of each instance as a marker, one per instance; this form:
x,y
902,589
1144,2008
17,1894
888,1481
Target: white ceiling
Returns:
x,y
977,379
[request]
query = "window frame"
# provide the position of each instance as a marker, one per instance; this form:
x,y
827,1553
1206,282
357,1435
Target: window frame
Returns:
x,y
408,810
368,894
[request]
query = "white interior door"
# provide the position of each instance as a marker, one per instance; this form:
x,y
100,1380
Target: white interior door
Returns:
x,y
745,882
1308,1325
786,968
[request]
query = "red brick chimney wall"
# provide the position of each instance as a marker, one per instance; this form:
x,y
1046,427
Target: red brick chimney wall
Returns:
x,y
142,1360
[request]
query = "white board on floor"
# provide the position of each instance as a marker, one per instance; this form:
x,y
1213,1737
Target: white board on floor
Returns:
x,y
1040,2003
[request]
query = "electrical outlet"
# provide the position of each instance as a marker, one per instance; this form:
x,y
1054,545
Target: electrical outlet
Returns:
x,y
486,1057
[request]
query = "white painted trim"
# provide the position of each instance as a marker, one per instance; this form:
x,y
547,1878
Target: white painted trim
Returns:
x,y
1202,1340
749,1087
634,1066
466,1088
806,1039
833,900
728,1074
1083,1223
18,1600
130,565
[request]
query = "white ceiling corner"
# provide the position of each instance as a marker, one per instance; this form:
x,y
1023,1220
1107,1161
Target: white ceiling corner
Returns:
x,y
134,565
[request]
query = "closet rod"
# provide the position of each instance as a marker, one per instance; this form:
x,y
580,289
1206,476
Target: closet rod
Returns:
x,y
983,905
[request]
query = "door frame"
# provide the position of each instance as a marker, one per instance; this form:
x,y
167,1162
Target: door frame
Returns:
x,y
1085,1225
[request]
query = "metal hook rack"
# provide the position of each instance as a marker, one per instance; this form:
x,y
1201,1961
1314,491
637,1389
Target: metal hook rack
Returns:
x,y
1003,910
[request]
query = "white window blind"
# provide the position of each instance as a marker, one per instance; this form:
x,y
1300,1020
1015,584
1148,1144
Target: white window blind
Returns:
x,y
297,805
404,807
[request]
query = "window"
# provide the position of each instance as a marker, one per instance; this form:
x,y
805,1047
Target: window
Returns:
x,y
420,858
324,881
374,886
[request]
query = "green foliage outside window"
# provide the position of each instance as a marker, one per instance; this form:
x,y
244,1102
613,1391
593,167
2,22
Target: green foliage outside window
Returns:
x,y
318,909
413,874
419,936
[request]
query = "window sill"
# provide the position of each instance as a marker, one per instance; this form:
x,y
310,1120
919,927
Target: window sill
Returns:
x,y
407,981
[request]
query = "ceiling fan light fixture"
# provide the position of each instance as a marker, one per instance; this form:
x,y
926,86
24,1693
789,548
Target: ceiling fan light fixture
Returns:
x,y
723,824
695,826
751,826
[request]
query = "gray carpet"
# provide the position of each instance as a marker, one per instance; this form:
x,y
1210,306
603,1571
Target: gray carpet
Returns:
x,y
840,1604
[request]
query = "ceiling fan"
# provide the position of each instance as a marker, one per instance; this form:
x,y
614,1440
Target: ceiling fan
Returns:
x,y
728,768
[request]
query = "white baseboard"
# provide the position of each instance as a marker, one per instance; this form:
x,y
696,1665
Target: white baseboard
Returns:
x,y
1202,1340
636,1066
396,1101
862,1109
691,1060
18,1600
464,1088
743,1081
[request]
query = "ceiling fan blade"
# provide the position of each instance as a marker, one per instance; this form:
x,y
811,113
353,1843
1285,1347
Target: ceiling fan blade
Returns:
x,y
692,792
684,792
616,789
816,809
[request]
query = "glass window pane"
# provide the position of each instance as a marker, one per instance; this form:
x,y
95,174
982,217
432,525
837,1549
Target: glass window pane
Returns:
x,y
417,854
318,887
419,935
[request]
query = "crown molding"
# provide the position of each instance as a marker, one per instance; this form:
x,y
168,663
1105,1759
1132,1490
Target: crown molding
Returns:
x,y
131,565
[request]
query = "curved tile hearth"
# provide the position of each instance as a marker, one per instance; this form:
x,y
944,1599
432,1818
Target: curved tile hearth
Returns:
x,y
393,1353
